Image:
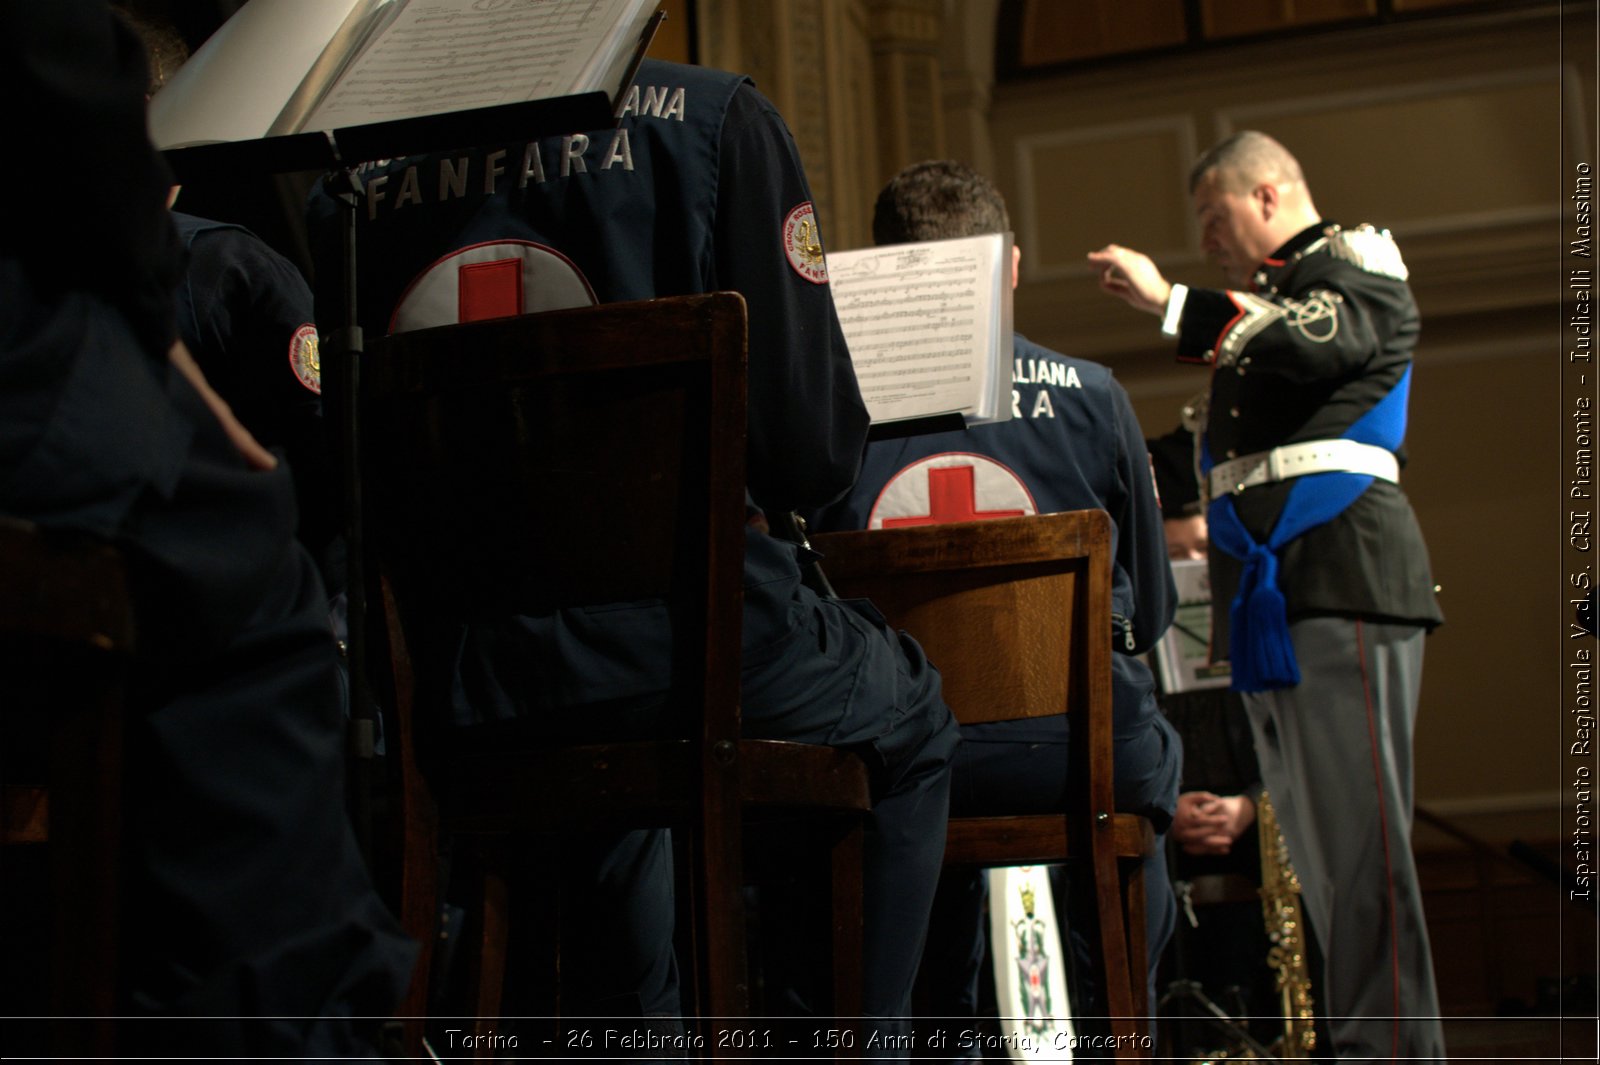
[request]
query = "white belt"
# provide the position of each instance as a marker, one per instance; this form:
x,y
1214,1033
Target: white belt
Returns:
x,y
1294,460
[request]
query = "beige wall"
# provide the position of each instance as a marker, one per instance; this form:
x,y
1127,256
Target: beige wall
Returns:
x,y
1458,134
857,80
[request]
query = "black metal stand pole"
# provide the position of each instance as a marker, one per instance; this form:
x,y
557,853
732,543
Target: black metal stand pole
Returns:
x,y
345,354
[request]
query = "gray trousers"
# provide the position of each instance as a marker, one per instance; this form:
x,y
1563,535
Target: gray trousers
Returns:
x,y
1335,755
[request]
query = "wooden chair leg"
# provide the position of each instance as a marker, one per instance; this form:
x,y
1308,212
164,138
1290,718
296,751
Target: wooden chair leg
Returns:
x,y
1138,941
420,912
1114,967
418,841
85,839
489,974
719,911
419,916
846,872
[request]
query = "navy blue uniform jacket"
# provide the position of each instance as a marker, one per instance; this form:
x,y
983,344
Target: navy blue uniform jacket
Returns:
x,y
700,188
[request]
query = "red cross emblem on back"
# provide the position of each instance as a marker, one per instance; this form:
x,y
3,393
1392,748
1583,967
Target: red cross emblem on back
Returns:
x,y
499,279
490,289
953,486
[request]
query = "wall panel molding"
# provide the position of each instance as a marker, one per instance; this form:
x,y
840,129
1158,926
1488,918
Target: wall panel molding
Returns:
x,y
1088,155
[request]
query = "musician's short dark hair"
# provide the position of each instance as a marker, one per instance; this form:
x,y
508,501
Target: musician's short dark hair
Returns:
x,y
939,199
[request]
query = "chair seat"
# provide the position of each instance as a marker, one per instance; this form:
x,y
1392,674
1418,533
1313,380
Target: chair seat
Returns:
x,y
24,815
565,789
1037,839
66,641
778,773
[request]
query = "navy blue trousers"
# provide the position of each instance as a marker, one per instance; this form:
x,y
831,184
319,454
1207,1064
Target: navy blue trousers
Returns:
x,y
814,670
1020,767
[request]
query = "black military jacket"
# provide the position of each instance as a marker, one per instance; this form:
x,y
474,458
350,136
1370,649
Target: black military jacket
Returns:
x,y
1326,331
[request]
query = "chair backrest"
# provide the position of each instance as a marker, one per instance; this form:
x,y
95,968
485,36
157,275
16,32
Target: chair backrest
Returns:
x,y
66,631
66,639
1014,612
63,589
565,459
573,458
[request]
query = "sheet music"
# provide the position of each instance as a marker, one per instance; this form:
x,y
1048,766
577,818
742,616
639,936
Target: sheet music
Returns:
x,y
928,325
235,87
437,56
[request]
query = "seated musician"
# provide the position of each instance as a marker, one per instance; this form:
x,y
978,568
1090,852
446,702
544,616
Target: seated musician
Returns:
x,y
245,314
699,188
249,924
1072,443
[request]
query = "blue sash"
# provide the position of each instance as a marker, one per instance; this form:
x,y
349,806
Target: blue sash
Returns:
x,y
1259,649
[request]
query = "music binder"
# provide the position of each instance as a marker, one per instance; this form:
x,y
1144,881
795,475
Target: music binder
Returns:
x,y
316,84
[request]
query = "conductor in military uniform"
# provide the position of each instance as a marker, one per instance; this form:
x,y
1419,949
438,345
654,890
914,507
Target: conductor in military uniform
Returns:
x,y
1320,576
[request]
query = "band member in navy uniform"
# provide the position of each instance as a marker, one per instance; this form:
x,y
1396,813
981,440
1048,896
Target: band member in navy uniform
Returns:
x,y
1072,443
250,923
698,188
246,314
1321,586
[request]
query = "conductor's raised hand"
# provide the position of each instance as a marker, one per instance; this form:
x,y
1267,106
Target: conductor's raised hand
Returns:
x,y
1131,276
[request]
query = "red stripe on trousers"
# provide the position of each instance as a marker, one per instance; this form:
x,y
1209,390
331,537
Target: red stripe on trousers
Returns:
x,y
1383,823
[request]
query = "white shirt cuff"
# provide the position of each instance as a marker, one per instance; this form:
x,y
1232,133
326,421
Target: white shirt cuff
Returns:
x,y
1174,315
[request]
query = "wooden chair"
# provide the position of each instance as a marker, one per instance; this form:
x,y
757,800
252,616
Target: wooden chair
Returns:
x,y
1016,615
576,458
66,634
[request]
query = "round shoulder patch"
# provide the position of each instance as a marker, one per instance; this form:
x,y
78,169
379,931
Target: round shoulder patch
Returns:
x,y
304,358
802,243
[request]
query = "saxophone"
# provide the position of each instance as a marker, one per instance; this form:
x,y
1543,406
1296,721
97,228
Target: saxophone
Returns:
x,y
1280,904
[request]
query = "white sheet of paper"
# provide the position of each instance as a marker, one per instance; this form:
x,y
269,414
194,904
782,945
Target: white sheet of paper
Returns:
x,y
235,87
438,56
1183,657
922,322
